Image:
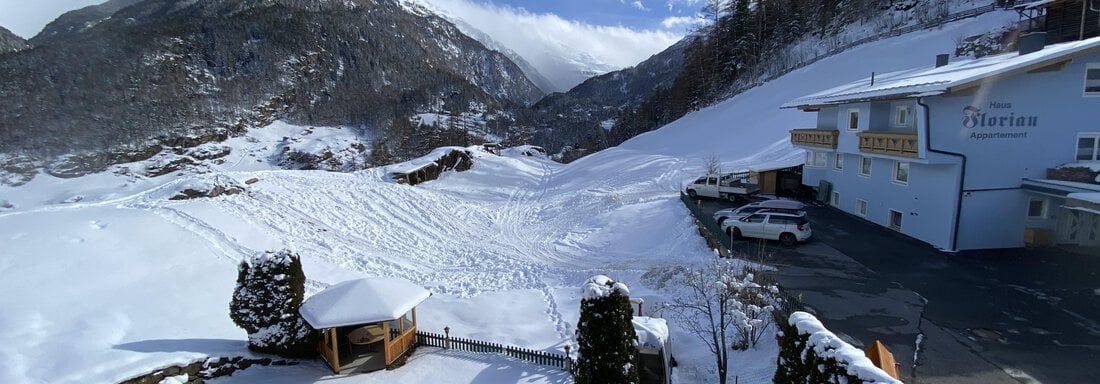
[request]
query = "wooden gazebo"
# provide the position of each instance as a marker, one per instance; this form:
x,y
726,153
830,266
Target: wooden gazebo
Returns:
x,y
365,324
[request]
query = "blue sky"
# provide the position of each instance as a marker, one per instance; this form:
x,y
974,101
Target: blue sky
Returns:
x,y
26,18
640,14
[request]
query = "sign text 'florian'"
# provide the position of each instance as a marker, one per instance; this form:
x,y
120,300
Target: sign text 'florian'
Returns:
x,y
1000,116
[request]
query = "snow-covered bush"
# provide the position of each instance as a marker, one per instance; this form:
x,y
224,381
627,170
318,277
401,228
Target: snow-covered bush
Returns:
x,y
270,289
605,335
809,353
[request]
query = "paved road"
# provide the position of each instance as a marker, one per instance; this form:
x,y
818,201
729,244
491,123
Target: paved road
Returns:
x,y
1005,316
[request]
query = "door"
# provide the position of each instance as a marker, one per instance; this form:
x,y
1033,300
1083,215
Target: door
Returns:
x,y
710,189
752,226
774,226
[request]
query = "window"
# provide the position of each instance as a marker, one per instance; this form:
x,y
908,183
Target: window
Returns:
x,y
895,220
901,115
816,159
901,172
853,119
861,207
834,200
1037,208
756,218
1088,146
838,162
1092,79
864,166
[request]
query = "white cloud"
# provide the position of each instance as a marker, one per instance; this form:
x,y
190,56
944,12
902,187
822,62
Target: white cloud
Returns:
x,y
639,6
560,49
684,3
680,22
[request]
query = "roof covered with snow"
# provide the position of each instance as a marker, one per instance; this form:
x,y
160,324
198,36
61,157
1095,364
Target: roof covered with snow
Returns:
x,y
362,301
652,333
1092,197
931,81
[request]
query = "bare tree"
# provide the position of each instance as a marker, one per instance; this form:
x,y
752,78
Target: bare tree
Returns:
x,y
713,164
723,307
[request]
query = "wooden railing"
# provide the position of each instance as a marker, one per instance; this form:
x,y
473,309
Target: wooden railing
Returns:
x,y
825,138
478,346
889,143
400,345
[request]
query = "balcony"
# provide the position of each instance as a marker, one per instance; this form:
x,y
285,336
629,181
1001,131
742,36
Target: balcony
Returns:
x,y
889,143
823,138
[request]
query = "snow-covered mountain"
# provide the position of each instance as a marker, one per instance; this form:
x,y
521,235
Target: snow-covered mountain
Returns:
x,y
163,73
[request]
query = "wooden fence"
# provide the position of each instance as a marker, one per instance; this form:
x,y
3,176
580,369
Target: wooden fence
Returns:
x,y
477,346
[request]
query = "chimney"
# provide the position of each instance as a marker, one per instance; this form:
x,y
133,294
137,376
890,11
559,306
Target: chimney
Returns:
x,y
941,59
1031,42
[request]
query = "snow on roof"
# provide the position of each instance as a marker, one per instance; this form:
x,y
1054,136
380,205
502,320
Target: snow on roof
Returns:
x,y
1092,197
602,286
929,81
823,341
362,301
1033,4
1063,185
652,333
774,165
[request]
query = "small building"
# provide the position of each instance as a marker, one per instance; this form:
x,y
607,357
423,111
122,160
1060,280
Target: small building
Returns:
x,y
956,155
365,324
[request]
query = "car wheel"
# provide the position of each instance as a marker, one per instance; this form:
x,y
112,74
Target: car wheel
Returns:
x,y
735,233
733,197
691,192
787,239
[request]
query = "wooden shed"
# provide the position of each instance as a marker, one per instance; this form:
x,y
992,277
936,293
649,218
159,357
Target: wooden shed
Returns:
x,y
365,324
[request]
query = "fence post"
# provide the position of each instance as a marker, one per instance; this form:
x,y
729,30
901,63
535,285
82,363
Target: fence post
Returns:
x,y
568,364
447,338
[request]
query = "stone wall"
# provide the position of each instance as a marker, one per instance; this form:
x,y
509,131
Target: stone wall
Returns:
x,y
199,371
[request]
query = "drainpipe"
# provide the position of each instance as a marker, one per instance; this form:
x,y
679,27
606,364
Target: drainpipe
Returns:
x,y
962,173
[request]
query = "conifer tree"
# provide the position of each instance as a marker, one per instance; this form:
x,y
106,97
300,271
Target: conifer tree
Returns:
x,y
270,289
605,334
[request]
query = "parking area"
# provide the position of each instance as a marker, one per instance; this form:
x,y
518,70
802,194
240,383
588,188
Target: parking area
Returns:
x,y
999,316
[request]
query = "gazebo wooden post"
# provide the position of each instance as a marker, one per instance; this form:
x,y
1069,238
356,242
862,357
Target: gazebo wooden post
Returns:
x,y
386,341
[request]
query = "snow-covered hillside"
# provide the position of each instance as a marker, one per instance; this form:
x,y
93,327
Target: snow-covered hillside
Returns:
x,y
104,278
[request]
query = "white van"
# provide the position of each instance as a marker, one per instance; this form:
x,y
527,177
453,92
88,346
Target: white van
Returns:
x,y
787,206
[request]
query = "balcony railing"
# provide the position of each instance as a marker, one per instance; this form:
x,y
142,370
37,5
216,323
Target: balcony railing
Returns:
x,y
889,143
824,138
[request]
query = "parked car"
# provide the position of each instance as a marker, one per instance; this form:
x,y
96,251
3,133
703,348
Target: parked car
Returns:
x,y
788,206
788,228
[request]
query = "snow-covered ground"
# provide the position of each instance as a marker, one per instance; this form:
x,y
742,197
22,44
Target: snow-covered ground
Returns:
x,y
104,278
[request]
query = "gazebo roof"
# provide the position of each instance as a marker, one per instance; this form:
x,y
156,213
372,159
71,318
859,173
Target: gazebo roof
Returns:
x,y
362,301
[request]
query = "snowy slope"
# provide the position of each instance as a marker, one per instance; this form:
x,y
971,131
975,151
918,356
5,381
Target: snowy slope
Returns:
x,y
104,278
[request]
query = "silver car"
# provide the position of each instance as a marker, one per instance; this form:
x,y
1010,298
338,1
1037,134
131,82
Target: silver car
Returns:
x,y
788,228
789,206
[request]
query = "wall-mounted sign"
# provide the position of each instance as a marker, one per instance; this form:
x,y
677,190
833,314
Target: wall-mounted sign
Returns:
x,y
1000,116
